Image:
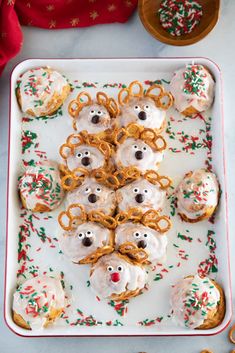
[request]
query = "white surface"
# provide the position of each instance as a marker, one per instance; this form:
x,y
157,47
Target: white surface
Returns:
x,y
104,71
123,40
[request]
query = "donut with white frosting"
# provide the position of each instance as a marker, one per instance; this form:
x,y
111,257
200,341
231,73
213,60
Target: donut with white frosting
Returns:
x,y
93,196
96,116
146,238
193,89
38,302
197,195
86,240
115,277
145,108
197,303
141,194
137,153
40,187
41,91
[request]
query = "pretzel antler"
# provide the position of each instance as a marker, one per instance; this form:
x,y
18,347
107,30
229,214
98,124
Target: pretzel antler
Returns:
x,y
154,178
94,257
74,215
107,221
76,105
159,97
73,179
132,251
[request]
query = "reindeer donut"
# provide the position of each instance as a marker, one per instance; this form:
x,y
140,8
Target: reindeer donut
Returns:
x,y
116,277
85,151
142,236
85,237
138,147
147,109
94,116
89,192
147,192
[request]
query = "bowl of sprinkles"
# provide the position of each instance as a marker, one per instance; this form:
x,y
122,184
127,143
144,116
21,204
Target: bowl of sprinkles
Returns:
x,y
179,22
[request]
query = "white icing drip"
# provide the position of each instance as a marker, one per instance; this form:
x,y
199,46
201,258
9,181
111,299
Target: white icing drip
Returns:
x,y
184,100
71,242
196,193
106,199
49,292
32,182
132,277
154,198
156,243
97,159
84,119
154,116
183,293
37,88
126,155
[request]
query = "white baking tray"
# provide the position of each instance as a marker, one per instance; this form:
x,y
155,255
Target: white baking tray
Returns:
x,y
183,256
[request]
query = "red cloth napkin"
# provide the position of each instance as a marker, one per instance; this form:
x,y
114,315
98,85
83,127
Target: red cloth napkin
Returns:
x,y
54,14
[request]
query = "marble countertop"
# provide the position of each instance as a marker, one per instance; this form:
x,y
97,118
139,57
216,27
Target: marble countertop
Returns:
x,y
122,40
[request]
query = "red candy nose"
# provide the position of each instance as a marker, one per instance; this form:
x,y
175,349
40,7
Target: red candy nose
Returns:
x,y
115,277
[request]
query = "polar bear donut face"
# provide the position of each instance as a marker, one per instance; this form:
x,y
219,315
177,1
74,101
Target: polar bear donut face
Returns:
x,y
94,118
85,156
112,275
153,243
93,196
142,111
136,152
86,239
140,194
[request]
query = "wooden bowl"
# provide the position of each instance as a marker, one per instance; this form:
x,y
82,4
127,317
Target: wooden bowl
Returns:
x,y
148,14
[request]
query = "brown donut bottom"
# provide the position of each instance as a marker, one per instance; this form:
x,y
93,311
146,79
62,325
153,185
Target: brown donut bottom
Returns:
x,y
52,316
216,315
39,207
207,214
53,105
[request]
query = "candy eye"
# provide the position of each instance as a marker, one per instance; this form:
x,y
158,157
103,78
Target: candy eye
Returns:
x,y
81,235
137,108
98,190
144,148
136,190
87,190
79,155
146,191
89,233
147,107
145,235
120,268
92,112
99,112
87,153
135,147
109,268
136,234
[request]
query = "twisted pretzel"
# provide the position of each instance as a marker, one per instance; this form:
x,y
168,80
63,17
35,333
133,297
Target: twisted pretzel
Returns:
x,y
107,221
154,178
72,216
73,179
157,224
126,94
78,104
132,250
83,138
94,257
149,136
118,178
150,218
